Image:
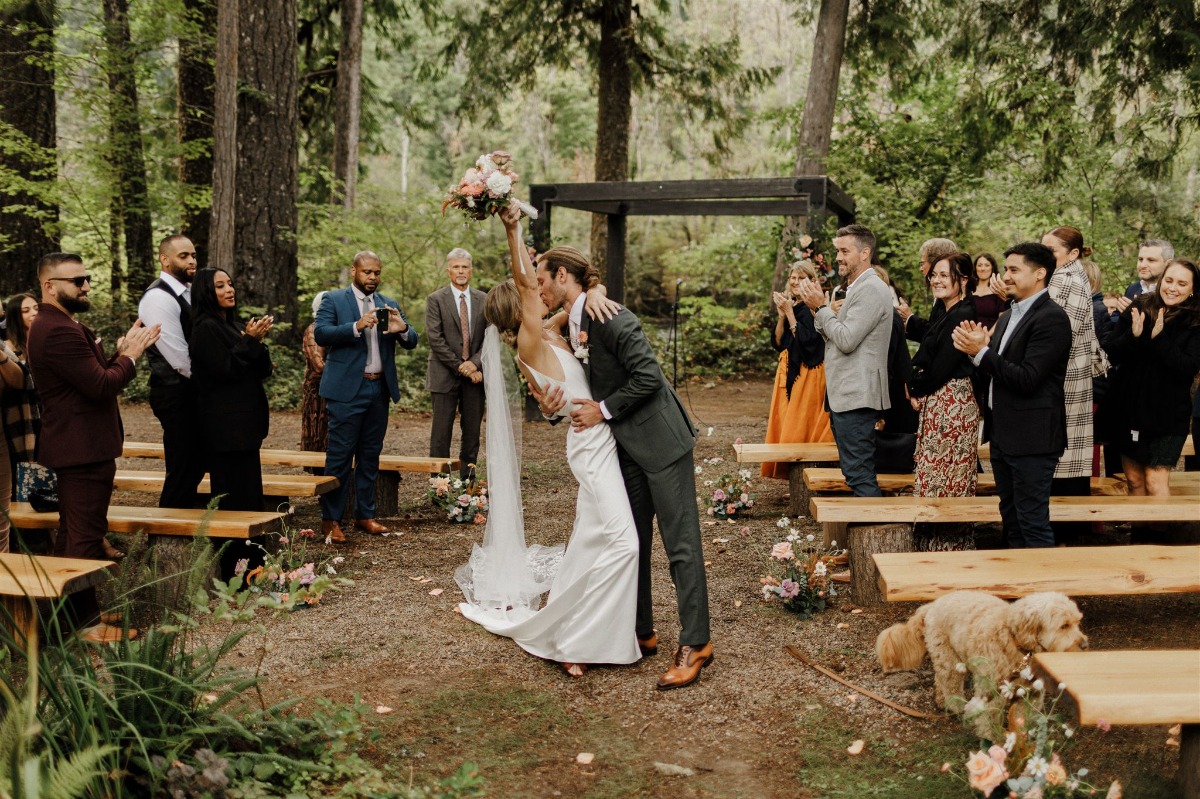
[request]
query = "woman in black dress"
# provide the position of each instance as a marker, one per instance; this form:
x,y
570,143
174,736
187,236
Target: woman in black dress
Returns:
x,y
1157,346
988,304
229,364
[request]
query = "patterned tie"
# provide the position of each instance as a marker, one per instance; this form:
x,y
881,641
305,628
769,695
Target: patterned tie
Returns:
x,y
464,323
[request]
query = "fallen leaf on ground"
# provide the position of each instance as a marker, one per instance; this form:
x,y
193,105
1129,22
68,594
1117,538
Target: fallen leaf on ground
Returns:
x,y
584,758
711,522
851,697
856,747
843,626
672,770
436,592
416,579
382,709
856,610
720,540
737,603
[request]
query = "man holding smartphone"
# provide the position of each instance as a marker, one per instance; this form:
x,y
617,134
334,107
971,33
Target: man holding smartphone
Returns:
x,y
360,329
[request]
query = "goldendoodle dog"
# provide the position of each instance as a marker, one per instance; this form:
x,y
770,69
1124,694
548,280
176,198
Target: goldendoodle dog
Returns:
x,y
989,636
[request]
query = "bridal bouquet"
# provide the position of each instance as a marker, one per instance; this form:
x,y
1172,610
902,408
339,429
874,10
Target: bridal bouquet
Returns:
x,y
803,586
486,188
465,501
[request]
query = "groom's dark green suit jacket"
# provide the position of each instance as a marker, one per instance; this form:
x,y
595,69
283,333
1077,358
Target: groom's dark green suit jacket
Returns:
x,y
648,420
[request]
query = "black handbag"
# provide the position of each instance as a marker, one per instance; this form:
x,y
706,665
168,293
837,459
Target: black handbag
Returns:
x,y
37,485
895,453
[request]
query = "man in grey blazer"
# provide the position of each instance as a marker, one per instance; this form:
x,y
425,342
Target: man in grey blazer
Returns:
x,y
655,439
454,326
856,355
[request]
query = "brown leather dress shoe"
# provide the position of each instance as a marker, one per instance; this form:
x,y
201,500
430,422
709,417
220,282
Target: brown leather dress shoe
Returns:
x,y
649,644
106,634
689,660
331,531
370,526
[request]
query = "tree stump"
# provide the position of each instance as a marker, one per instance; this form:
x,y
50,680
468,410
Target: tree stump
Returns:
x,y
387,495
797,490
864,541
1189,761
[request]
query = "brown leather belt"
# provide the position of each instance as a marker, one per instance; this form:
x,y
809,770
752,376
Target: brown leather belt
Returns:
x,y
369,376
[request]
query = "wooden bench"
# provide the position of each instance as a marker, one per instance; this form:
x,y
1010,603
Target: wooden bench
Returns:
x,y
25,578
1011,573
387,486
820,480
1128,687
277,488
809,453
163,521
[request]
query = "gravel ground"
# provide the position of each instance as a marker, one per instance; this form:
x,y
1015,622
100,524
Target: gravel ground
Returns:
x,y
389,640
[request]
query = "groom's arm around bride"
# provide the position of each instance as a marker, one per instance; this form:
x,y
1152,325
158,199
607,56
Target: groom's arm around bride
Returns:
x,y
655,439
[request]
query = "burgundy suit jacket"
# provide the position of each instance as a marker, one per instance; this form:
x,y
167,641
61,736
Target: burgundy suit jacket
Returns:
x,y
78,388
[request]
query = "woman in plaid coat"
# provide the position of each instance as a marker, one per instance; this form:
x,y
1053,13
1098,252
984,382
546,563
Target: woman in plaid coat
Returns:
x,y
1069,288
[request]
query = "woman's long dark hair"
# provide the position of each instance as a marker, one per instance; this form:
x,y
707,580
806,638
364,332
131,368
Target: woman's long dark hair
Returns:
x,y
1150,303
15,320
204,296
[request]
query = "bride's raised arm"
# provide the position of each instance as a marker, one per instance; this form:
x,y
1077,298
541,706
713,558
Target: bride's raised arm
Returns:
x,y
530,345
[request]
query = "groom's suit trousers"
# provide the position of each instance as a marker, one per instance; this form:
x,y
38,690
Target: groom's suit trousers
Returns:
x,y
679,527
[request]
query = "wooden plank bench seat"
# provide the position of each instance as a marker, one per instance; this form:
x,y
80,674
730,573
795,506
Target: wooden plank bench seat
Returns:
x,y
24,578
825,480
864,510
827,453
275,486
1127,687
163,521
1011,573
387,484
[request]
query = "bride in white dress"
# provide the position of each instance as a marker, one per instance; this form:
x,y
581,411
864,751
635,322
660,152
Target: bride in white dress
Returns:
x,y
588,616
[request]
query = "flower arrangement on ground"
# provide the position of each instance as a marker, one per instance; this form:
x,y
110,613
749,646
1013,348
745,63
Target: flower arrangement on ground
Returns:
x,y
465,501
1029,738
804,584
486,188
728,496
297,573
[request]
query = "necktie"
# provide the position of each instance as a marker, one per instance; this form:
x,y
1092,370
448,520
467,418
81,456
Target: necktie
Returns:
x,y
372,341
464,323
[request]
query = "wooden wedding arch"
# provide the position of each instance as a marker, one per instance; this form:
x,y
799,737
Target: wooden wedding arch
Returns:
x,y
812,197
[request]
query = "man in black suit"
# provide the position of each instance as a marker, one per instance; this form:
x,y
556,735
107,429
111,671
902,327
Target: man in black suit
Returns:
x,y
655,439
454,326
1024,417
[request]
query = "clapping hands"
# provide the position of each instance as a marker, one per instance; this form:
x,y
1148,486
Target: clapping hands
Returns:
x,y
811,295
258,328
137,340
1137,321
970,337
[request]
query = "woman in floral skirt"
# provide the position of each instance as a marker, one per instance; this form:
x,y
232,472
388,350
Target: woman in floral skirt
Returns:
x,y
798,401
942,393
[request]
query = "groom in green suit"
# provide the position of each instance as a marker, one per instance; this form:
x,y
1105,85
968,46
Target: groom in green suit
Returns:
x,y
655,439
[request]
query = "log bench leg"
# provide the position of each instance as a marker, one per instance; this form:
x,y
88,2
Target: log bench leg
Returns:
x,y
796,488
19,618
1189,762
387,495
864,540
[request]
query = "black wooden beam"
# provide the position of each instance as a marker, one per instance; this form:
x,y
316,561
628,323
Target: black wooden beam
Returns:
x,y
676,189
792,207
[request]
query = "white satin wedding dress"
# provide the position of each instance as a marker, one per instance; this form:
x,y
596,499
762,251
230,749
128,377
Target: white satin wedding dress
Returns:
x,y
589,614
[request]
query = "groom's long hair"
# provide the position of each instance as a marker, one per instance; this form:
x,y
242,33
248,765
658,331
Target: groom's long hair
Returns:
x,y
575,262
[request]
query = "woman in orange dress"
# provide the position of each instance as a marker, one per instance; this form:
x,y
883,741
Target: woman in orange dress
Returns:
x,y
798,401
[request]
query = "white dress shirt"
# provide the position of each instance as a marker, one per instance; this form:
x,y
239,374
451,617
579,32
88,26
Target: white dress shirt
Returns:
x,y
1018,309
366,304
156,308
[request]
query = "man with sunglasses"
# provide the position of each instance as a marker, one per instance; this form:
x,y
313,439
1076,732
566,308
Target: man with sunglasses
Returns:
x,y
81,434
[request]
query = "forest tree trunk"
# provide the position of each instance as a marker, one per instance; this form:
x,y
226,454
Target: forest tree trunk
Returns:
x,y
614,110
225,131
816,123
130,197
265,217
195,80
349,106
28,229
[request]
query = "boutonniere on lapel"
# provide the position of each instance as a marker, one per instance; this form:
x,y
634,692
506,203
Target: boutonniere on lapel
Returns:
x,y
579,344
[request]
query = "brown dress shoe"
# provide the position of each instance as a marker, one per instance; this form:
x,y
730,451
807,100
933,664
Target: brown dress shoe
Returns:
x,y
370,526
689,660
332,532
106,634
649,644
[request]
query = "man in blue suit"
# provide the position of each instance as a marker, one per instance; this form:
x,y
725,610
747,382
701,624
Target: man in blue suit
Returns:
x,y
359,378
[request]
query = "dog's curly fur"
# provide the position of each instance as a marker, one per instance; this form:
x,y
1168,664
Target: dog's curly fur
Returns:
x,y
987,634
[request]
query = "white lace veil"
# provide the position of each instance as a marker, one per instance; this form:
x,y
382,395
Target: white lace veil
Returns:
x,y
504,577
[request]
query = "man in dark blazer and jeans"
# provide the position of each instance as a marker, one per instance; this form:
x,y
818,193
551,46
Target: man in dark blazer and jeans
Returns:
x,y
655,439
81,434
1025,359
454,326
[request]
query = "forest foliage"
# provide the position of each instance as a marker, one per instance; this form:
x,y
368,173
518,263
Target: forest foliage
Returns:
x,y
989,122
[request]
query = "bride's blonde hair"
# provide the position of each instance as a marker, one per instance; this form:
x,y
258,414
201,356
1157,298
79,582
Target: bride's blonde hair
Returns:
x,y
502,308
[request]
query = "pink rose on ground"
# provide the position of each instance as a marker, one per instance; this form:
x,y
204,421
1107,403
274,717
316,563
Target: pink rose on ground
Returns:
x,y
730,509
1055,774
479,519
783,551
719,495
984,773
998,753
789,589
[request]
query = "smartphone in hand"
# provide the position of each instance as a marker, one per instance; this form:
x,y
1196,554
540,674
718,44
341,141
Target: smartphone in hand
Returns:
x,y
381,314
